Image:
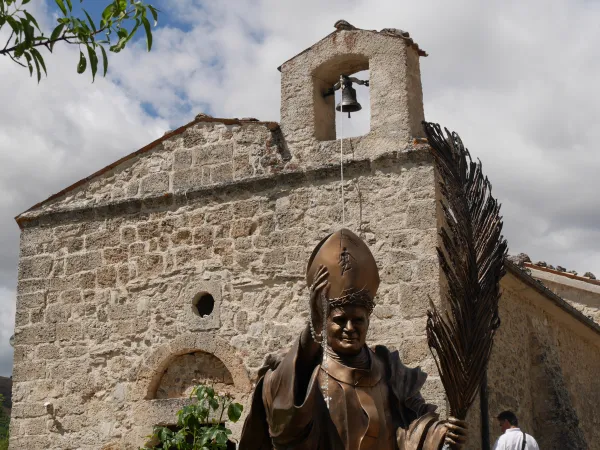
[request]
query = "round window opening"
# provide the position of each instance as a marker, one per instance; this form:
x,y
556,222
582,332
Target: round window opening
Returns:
x,y
203,304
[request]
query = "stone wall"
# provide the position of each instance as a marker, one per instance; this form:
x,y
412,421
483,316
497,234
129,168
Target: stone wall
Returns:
x,y
106,323
544,368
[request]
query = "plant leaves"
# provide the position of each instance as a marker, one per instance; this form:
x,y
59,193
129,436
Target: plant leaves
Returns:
x,y
70,5
93,61
28,58
82,63
234,412
56,34
31,19
148,32
61,5
104,60
16,26
154,12
90,20
37,56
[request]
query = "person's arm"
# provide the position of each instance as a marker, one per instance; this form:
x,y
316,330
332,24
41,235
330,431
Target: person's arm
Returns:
x,y
309,349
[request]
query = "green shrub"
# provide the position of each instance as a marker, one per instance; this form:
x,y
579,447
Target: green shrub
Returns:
x,y
200,425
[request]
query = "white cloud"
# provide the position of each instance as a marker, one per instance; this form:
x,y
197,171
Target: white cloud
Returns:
x,y
517,81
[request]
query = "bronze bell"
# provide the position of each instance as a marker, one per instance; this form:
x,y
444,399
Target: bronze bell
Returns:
x,y
349,103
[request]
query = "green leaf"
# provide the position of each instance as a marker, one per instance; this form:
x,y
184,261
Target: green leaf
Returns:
x,y
56,34
154,12
82,63
16,26
104,60
28,57
37,56
24,2
31,19
27,31
106,15
148,32
61,5
90,20
234,412
93,61
70,5
37,69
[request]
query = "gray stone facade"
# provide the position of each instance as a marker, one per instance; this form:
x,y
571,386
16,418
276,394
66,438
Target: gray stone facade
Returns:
x,y
185,261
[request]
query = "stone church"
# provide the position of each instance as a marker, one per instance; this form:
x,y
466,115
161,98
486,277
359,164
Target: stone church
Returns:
x,y
184,262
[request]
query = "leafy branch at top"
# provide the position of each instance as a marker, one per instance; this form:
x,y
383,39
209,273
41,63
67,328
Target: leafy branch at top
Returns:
x,y
120,20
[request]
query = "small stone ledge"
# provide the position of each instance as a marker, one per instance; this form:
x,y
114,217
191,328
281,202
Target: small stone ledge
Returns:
x,y
291,176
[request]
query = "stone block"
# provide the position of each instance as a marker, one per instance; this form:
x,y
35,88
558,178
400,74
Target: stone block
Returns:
x,y
33,300
35,267
183,236
70,331
428,269
36,334
242,227
212,154
128,235
393,273
182,159
71,296
186,256
21,317
83,262
155,183
151,265
246,208
102,239
421,214
115,255
221,173
106,277
29,370
137,249
187,179
58,313
415,298
47,351
273,258
25,410
148,230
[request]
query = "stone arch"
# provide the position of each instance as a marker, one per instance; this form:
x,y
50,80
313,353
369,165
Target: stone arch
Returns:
x,y
158,360
324,76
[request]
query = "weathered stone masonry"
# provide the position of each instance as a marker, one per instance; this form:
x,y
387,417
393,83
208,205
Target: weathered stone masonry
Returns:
x,y
220,217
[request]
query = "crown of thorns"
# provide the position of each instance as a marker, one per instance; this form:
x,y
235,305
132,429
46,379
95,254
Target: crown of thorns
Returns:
x,y
357,298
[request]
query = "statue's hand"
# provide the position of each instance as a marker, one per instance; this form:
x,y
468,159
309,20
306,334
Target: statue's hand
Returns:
x,y
318,291
456,434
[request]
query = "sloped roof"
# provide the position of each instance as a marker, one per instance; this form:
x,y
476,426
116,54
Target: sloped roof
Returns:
x,y
200,118
557,300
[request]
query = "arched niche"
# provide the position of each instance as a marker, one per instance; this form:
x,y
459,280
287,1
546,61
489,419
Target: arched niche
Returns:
x,y
324,77
205,345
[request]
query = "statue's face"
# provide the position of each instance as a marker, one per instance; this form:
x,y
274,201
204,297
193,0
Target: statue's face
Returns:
x,y
347,329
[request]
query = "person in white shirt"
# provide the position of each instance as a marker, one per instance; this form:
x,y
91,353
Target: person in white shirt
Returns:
x,y
513,438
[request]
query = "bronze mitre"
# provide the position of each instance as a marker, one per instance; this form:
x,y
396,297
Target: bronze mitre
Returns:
x,y
353,274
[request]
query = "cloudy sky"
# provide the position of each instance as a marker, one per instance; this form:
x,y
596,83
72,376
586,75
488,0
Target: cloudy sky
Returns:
x,y
518,81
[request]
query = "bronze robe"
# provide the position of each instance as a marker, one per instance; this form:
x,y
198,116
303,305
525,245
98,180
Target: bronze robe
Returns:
x,y
376,409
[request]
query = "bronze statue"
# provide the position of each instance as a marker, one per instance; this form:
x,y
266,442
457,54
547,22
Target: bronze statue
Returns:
x,y
331,391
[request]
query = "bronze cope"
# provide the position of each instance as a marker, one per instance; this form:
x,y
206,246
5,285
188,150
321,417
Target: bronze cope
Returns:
x,y
351,265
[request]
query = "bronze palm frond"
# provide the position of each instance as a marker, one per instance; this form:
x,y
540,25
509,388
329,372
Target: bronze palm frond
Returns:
x,y
471,256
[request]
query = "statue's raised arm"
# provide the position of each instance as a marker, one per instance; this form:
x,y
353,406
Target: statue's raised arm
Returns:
x,y
333,392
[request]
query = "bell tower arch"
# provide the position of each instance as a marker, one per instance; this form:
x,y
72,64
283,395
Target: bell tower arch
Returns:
x,y
308,117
